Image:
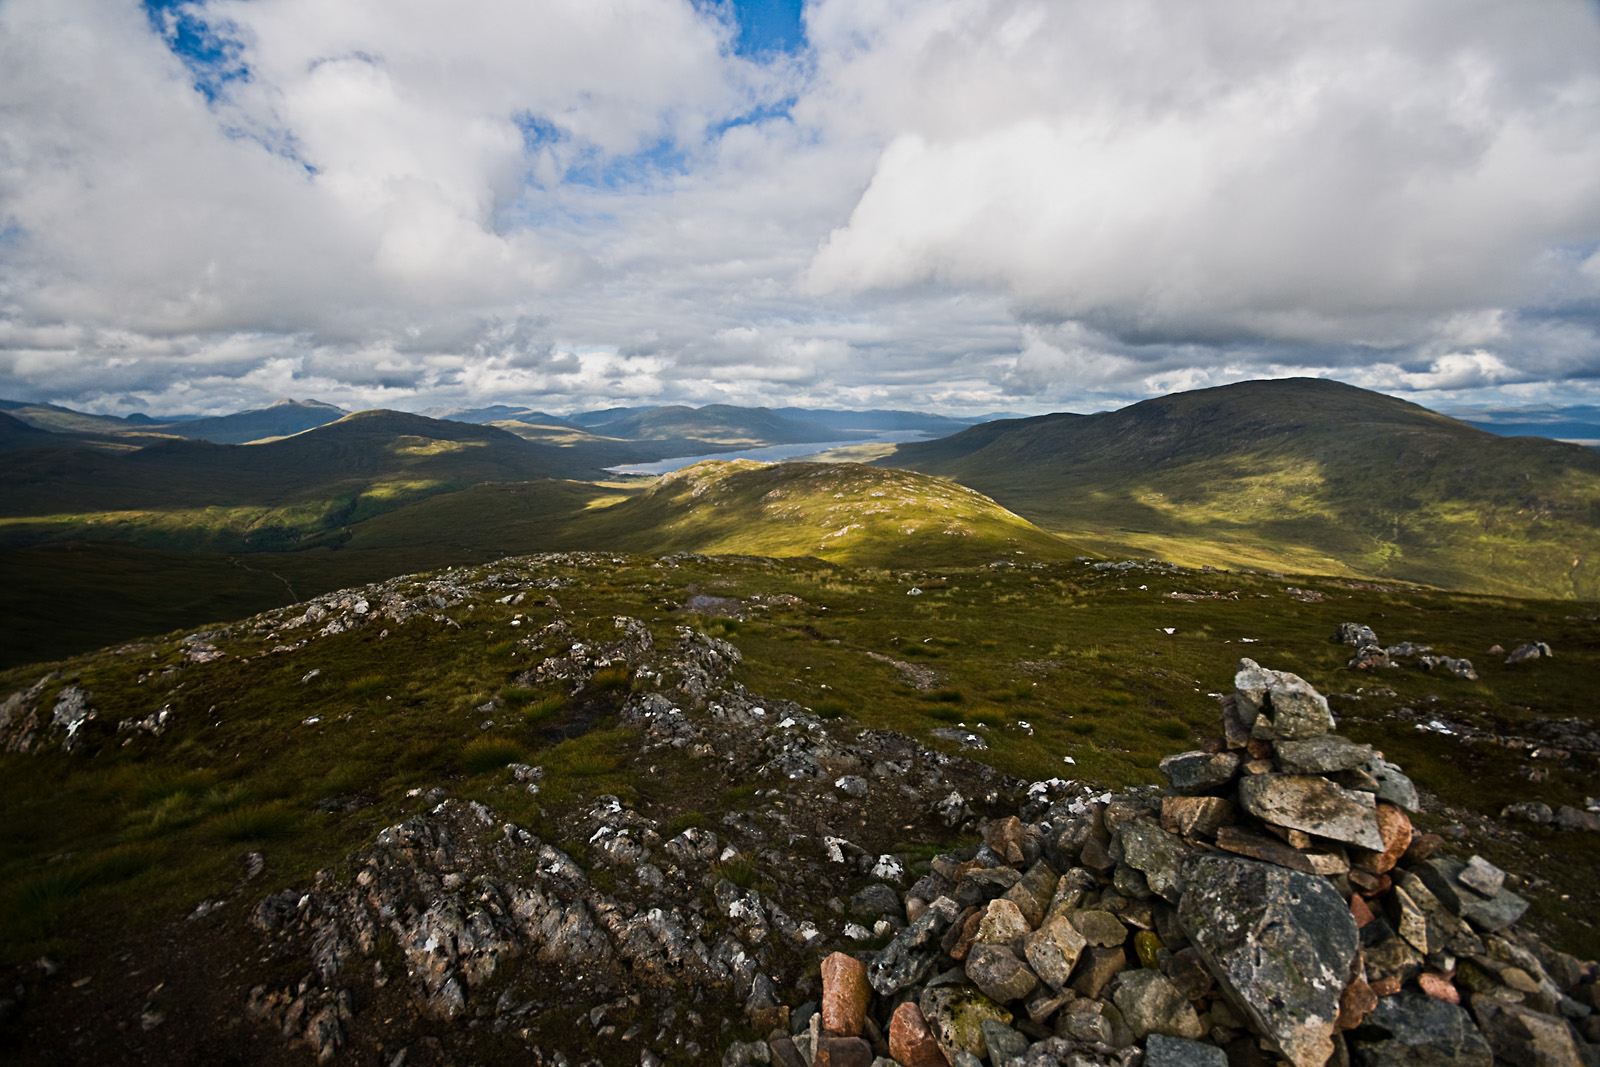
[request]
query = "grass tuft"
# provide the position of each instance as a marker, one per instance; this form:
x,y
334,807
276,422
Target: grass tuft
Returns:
x,y
485,754
256,822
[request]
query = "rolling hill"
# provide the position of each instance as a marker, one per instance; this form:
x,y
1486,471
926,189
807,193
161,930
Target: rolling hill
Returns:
x,y
1302,474
718,424
277,420
196,495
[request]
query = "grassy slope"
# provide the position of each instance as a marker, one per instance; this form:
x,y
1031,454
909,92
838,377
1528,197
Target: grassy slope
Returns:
x,y
1044,661
719,424
834,511
194,495
51,596
1304,474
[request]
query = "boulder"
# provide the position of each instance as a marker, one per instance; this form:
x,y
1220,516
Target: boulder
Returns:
x,y
1199,773
1315,805
1415,1030
1282,943
1442,875
1355,634
1530,650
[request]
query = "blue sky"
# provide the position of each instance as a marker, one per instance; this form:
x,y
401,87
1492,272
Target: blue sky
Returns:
x,y
963,205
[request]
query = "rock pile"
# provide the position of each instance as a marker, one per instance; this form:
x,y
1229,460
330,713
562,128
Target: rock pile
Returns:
x,y
1273,903
1371,655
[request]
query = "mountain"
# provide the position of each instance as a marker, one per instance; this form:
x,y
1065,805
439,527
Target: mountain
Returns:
x,y
878,420
1579,423
281,419
1303,474
721,425
14,433
58,419
191,494
498,413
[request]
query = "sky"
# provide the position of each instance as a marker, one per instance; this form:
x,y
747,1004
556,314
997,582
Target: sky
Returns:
x,y
947,205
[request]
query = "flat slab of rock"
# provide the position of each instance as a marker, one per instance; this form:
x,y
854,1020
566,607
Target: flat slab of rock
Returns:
x,y
1523,1036
1315,805
1322,755
1198,773
1280,942
1489,913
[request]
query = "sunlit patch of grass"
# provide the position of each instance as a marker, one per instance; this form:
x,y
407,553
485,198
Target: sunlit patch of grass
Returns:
x,y
987,716
485,754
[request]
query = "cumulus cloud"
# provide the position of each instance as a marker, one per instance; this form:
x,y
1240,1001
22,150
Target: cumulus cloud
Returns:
x,y
964,203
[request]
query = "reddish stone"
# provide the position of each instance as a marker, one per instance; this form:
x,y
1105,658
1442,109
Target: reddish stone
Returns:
x,y
1423,846
1386,987
1438,987
969,934
1395,829
845,995
1357,1000
1360,911
911,1042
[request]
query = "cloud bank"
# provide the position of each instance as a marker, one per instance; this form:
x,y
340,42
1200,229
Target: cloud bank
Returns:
x,y
963,204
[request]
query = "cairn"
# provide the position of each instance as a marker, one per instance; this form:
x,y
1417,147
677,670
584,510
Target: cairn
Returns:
x,y
1273,905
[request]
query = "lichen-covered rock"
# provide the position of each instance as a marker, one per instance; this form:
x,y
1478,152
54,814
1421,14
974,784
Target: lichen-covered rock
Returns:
x,y
1315,805
1355,634
1163,1050
1053,950
1000,972
913,954
1321,755
1282,943
1277,705
1199,773
955,1014
1156,854
1523,1036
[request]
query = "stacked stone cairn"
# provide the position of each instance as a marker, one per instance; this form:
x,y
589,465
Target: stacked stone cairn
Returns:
x,y
1273,905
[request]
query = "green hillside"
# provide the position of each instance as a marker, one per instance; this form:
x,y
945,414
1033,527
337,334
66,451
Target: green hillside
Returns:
x,y
720,425
196,495
834,511
1303,474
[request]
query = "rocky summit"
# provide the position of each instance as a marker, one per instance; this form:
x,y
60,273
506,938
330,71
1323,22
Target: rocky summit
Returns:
x,y
1272,905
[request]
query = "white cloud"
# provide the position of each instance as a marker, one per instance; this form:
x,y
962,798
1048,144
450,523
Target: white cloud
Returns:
x,y
975,203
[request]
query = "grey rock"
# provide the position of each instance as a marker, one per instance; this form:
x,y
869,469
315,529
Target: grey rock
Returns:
x,y
1097,968
1277,705
1280,941
1355,634
1370,658
1199,773
1000,972
1315,805
1534,811
1531,650
1162,1050
1571,818
852,785
913,954
877,901
1460,668
1156,854
1481,875
1151,1004
1099,927
1442,875
1411,1029
1445,932
1005,1045
1520,1035
1393,786
1322,755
